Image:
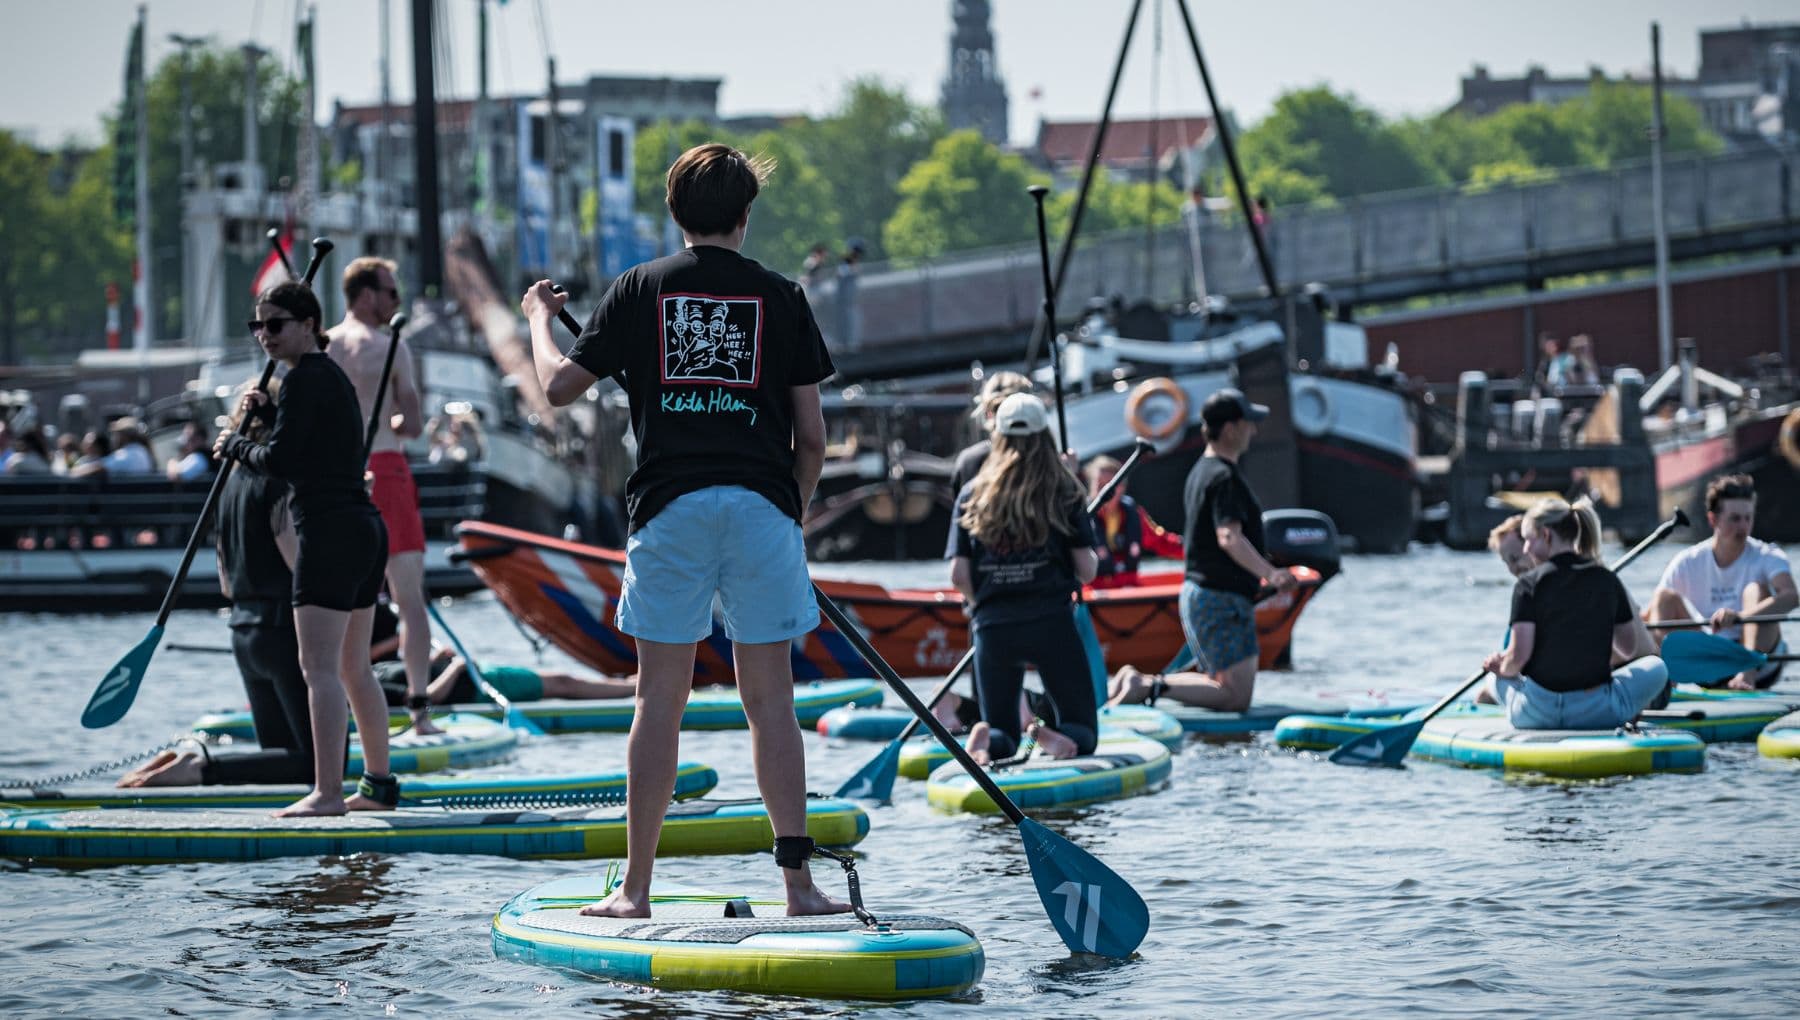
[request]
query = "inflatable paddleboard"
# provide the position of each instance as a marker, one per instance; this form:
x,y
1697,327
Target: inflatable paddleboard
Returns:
x,y
468,741
130,836
708,708
690,943
1486,740
923,755
462,792
1262,717
1121,766
1781,738
1720,720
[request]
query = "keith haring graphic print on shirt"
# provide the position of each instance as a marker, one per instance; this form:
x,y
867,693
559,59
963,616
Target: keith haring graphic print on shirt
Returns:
x,y
711,339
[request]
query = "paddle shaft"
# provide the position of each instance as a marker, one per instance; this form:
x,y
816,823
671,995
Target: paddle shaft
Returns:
x,y
469,661
923,714
395,324
574,327
1038,192
1677,624
206,513
1661,532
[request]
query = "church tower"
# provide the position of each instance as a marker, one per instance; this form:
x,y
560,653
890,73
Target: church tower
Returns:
x,y
974,96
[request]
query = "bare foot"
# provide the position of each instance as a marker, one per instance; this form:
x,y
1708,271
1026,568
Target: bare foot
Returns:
x,y
619,904
1741,682
807,900
358,802
180,770
315,804
424,727
136,776
1054,744
977,744
945,710
1128,686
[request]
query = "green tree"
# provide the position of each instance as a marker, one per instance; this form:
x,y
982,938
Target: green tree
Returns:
x,y
26,225
863,150
794,211
1115,205
62,246
1532,133
1612,124
656,147
1334,139
965,194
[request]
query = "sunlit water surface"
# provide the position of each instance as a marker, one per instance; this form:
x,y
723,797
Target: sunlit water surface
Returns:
x,y
1277,883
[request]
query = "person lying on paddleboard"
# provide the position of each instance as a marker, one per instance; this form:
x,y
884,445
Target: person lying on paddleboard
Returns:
x,y
1020,544
1126,530
1571,620
1728,576
316,445
1226,562
451,683
729,451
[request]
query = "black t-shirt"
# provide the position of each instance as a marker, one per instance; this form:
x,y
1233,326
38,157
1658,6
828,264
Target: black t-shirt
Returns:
x,y
1217,494
262,586
317,442
968,464
1021,584
710,344
1575,604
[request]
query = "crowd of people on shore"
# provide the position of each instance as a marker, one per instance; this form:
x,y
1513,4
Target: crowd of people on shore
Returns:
x,y
121,450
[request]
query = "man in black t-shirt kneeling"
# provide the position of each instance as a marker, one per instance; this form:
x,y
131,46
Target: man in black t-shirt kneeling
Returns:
x,y
721,361
1226,565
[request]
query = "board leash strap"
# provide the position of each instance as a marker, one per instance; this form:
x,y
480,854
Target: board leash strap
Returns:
x,y
856,904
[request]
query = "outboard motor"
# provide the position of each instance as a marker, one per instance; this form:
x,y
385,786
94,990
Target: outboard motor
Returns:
x,y
1302,538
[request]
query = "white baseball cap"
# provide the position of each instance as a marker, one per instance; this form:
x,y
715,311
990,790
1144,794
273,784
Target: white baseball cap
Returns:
x,y
1021,415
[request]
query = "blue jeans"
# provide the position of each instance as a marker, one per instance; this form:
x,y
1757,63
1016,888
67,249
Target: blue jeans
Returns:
x,y
1609,705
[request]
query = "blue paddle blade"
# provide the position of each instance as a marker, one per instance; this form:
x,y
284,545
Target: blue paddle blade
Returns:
x,y
1092,908
518,720
1386,746
113,698
874,781
1695,658
1090,645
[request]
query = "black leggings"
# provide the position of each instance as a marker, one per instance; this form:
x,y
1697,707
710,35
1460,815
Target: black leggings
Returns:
x,y
268,656
1050,643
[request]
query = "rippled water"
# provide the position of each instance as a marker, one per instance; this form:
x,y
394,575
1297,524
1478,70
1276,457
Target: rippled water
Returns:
x,y
1278,883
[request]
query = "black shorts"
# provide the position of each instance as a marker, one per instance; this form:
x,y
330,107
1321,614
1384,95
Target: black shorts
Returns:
x,y
343,557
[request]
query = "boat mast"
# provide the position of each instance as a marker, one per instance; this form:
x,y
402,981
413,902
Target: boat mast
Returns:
x,y
430,247
484,164
1665,329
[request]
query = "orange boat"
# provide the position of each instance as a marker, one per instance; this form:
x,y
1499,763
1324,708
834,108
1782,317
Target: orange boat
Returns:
x,y
568,592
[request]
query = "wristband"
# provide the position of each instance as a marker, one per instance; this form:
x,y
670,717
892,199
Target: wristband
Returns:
x,y
417,702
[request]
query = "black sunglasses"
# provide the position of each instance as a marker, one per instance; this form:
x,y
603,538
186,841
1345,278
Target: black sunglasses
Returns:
x,y
272,324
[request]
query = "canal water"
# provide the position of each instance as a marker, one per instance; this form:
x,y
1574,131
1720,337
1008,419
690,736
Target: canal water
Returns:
x,y
1278,884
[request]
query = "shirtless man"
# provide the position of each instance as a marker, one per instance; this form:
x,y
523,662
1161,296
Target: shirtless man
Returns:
x,y
359,345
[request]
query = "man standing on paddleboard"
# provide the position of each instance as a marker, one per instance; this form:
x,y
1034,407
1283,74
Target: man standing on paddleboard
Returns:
x,y
729,449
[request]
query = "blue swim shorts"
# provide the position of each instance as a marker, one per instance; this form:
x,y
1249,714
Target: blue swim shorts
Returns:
x,y
1220,627
725,541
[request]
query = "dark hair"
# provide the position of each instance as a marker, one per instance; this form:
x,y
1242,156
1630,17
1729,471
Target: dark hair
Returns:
x,y
711,187
364,273
1728,487
299,299
32,439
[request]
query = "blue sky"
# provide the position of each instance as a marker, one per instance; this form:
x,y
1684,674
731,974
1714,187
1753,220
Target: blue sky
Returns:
x,y
61,62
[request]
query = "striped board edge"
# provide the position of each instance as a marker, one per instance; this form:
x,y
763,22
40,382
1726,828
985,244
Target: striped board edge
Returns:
x,y
708,708
1121,766
461,792
689,943
1781,738
129,836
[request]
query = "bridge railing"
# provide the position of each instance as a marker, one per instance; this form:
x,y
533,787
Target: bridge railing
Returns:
x,y
1428,235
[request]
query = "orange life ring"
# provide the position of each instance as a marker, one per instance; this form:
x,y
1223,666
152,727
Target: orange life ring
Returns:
x,y
1157,408
1788,443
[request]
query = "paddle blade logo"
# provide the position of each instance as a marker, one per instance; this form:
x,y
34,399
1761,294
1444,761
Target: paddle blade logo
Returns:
x,y
112,699
1091,907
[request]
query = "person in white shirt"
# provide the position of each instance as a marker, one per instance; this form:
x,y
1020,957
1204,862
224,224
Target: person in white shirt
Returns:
x,y
195,460
1730,576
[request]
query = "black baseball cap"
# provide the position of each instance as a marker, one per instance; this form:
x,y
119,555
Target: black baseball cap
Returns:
x,y
1229,405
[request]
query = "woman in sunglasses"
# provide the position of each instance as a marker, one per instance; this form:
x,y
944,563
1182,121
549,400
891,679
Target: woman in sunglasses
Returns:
x,y
316,446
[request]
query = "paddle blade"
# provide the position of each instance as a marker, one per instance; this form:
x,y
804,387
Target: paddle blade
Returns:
x,y
518,720
1092,908
1386,746
113,698
1090,646
1695,658
874,781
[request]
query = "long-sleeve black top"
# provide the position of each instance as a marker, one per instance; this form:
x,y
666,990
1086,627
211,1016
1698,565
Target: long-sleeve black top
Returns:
x,y
316,445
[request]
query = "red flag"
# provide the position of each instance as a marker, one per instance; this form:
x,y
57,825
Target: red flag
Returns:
x,y
272,271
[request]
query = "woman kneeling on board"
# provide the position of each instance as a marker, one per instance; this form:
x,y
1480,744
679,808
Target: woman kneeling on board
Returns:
x,y
1569,616
1020,544
316,445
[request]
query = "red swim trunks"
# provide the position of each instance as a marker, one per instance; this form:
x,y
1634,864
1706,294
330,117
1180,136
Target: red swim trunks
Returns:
x,y
397,497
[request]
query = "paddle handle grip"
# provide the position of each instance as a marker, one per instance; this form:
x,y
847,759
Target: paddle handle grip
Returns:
x,y
206,512
886,672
